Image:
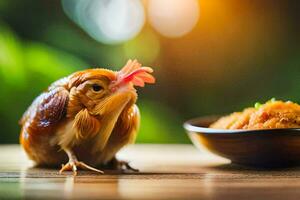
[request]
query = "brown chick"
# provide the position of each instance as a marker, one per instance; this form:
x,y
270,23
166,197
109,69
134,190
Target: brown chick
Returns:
x,y
84,119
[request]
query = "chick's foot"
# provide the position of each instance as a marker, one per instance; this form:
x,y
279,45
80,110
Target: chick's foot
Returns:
x,y
73,164
121,165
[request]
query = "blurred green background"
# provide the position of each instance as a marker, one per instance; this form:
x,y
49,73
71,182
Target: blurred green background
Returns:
x,y
217,57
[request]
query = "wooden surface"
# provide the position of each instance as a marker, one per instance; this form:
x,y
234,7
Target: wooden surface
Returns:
x,y
166,172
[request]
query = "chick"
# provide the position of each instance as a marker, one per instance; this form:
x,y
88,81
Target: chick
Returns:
x,y
84,119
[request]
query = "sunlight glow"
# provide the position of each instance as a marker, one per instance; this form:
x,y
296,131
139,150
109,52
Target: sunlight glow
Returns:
x,y
173,18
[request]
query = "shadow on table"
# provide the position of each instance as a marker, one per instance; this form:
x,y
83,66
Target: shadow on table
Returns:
x,y
236,167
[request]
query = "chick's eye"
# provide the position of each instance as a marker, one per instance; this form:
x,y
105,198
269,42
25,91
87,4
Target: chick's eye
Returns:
x,y
97,87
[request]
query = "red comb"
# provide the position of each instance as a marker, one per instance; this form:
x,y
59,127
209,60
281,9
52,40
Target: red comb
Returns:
x,y
135,73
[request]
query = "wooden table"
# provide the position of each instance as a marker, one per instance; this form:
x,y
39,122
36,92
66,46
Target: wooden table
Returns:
x,y
166,172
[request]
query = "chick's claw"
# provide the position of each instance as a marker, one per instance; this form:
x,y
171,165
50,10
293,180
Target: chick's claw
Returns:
x,y
87,167
126,165
72,166
121,165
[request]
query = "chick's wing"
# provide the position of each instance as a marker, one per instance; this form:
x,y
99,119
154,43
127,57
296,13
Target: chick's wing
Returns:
x,y
46,111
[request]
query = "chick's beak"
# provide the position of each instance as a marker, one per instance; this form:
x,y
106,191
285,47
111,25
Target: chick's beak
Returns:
x,y
132,74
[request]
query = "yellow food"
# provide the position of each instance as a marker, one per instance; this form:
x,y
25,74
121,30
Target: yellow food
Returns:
x,y
273,114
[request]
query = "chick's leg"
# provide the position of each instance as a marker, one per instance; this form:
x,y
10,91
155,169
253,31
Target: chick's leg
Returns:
x,y
74,163
121,165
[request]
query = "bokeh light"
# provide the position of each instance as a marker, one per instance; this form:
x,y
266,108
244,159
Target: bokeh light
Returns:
x,y
173,18
109,22
145,47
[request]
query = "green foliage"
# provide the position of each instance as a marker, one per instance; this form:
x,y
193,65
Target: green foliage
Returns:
x,y
159,124
11,58
26,70
50,63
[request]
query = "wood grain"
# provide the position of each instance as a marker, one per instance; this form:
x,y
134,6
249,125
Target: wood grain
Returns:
x,y
166,172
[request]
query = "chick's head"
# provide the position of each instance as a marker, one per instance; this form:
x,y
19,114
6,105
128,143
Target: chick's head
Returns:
x,y
103,92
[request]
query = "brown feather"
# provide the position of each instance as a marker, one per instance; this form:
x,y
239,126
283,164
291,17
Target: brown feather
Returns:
x,y
39,123
124,133
86,124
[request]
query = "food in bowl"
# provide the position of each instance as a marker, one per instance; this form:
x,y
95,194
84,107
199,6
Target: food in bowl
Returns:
x,y
271,115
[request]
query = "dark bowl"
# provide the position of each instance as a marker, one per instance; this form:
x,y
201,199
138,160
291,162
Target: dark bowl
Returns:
x,y
256,148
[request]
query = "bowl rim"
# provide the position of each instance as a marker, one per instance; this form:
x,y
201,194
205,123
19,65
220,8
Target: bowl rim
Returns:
x,y
189,126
